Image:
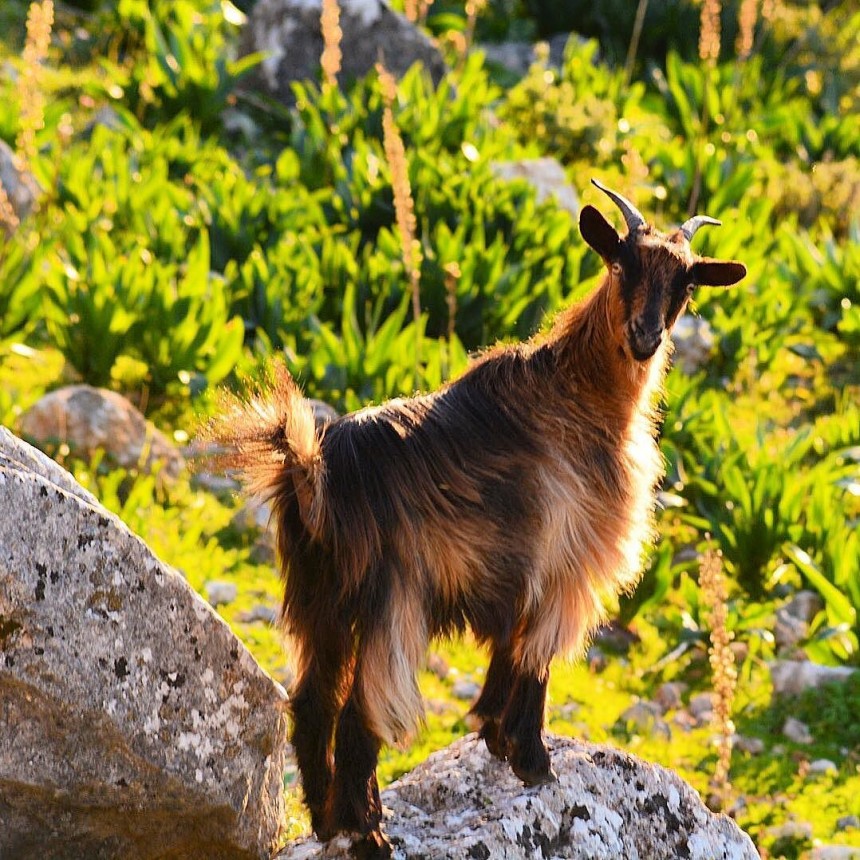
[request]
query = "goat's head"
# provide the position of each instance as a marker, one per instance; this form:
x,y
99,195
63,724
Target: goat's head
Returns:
x,y
652,275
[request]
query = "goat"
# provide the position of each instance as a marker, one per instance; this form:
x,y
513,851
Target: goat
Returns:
x,y
513,500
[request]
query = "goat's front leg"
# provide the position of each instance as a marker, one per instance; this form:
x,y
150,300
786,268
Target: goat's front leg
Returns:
x,y
521,727
494,696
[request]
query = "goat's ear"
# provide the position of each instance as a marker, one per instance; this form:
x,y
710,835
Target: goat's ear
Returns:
x,y
599,233
717,273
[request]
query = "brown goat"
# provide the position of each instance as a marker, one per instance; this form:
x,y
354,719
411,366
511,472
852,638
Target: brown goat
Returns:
x,y
513,500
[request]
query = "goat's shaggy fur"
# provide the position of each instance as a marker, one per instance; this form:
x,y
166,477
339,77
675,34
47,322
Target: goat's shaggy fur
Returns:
x,y
514,500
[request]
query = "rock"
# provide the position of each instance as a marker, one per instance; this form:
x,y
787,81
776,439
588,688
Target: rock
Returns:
x,y
793,619
668,695
835,852
848,822
804,606
752,746
253,516
20,185
546,176
793,677
438,665
260,612
89,419
463,803
644,719
220,593
796,731
465,690
701,703
823,765
797,831
323,413
788,631
139,725
694,343
595,658
518,57
288,31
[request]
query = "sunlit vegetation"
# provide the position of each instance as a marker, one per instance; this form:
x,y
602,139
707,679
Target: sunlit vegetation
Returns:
x,y
187,230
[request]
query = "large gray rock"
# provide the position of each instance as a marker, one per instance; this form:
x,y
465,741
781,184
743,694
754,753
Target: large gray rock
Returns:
x,y
132,722
792,677
90,419
288,31
546,176
606,805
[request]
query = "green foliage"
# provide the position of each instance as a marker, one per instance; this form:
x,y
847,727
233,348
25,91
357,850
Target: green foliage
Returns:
x,y
187,230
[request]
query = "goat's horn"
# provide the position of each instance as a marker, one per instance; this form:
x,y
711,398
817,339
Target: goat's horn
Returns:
x,y
689,227
632,215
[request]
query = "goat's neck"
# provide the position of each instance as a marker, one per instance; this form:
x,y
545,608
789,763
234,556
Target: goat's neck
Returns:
x,y
593,358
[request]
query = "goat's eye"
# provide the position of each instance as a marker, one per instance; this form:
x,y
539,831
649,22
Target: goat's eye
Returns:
x,y
616,269
689,289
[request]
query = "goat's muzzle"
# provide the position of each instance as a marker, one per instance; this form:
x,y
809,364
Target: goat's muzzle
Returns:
x,y
644,340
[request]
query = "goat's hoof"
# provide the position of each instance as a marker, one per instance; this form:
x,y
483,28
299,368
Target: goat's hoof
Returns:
x,y
536,770
371,846
492,737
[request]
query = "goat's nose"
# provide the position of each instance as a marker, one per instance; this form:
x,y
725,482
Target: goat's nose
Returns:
x,y
644,338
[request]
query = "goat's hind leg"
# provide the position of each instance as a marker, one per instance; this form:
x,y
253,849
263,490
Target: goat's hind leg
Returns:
x,y
315,701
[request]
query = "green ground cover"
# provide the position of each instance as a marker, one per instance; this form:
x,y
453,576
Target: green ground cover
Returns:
x,y
187,231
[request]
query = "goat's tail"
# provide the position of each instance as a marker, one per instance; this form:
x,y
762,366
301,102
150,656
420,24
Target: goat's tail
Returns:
x,y
270,437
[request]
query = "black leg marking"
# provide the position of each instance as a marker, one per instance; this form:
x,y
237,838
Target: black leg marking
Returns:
x,y
498,687
357,806
315,703
521,726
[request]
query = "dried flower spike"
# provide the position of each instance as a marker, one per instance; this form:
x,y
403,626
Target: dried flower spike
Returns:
x,y
746,28
715,598
709,33
332,34
40,20
404,208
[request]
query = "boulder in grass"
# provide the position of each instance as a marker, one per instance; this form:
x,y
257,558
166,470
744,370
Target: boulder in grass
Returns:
x,y
134,723
91,419
463,803
288,33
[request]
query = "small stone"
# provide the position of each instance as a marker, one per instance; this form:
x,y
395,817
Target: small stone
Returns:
x,y
323,413
796,731
465,690
251,517
644,718
823,765
438,665
694,343
804,606
791,677
848,822
752,746
261,612
595,658
835,852
700,704
792,830
545,175
788,630
668,695
220,593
